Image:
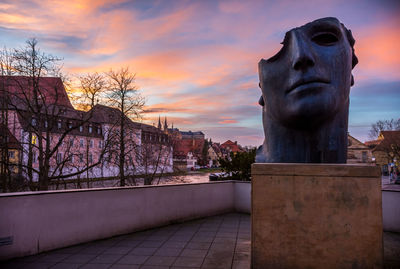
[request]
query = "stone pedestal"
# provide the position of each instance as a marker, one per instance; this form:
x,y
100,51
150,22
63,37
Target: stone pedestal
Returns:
x,y
316,216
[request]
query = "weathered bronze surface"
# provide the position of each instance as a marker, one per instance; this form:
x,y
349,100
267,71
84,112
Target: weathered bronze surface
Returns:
x,y
305,95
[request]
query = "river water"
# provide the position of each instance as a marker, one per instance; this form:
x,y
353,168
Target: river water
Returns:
x,y
188,178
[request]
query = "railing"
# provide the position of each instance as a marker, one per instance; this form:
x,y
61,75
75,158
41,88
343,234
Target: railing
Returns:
x,y
33,222
391,210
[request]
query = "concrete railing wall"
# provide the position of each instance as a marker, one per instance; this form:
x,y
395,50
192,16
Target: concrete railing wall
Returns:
x,y
391,210
40,221
242,194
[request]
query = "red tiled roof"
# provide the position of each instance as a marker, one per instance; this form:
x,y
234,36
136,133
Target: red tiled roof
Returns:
x,y
390,134
388,138
233,146
372,143
184,146
216,148
110,115
21,91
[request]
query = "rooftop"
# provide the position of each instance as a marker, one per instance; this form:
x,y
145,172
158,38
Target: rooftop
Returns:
x,y
198,225
221,241
50,89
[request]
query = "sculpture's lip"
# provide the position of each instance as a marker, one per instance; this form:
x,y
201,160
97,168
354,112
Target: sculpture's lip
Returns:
x,y
298,85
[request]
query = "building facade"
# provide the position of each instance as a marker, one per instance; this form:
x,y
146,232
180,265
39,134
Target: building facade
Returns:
x,y
59,142
358,152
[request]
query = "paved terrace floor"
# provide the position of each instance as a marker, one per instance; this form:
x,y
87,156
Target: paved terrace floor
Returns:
x,y
216,242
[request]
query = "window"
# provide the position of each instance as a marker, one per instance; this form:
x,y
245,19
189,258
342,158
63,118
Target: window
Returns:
x,y
81,128
91,143
34,122
71,142
70,124
98,130
46,124
59,124
81,158
90,158
34,139
33,156
72,158
100,143
81,143
90,129
364,156
11,154
59,157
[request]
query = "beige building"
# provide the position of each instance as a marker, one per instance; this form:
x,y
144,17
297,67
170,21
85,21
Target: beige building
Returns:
x,y
214,153
387,149
358,152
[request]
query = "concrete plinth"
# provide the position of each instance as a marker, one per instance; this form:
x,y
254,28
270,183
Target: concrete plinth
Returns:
x,y
316,216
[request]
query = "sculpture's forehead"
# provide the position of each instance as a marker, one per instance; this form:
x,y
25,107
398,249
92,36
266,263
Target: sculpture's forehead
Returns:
x,y
317,24
323,24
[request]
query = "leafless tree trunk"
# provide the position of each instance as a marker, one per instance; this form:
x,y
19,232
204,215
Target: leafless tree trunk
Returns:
x,y
5,164
155,155
123,95
383,125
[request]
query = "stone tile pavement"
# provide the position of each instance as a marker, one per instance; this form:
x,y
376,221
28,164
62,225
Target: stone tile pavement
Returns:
x,y
215,242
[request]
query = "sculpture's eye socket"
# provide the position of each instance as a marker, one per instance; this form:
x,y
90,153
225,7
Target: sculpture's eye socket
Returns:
x,y
325,39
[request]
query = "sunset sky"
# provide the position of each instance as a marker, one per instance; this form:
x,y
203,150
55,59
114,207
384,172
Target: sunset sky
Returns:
x,y
196,61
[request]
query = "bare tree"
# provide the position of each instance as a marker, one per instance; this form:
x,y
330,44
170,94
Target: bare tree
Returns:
x,y
48,119
5,69
384,125
92,86
156,153
123,94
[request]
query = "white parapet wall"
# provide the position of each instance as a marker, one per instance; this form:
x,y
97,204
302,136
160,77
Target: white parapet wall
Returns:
x,y
391,210
242,196
41,221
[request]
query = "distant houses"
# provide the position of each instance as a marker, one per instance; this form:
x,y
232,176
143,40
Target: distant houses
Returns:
x,y
386,149
188,149
47,138
358,152
230,146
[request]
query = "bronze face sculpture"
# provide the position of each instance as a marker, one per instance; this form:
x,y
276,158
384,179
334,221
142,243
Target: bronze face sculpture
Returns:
x,y
305,95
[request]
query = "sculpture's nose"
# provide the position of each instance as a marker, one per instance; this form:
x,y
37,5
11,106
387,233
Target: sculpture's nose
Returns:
x,y
302,54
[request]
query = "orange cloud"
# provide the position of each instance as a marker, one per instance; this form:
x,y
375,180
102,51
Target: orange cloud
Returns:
x,y
228,121
377,50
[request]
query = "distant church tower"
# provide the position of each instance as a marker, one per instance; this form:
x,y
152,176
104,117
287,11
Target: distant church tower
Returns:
x,y
165,124
159,123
